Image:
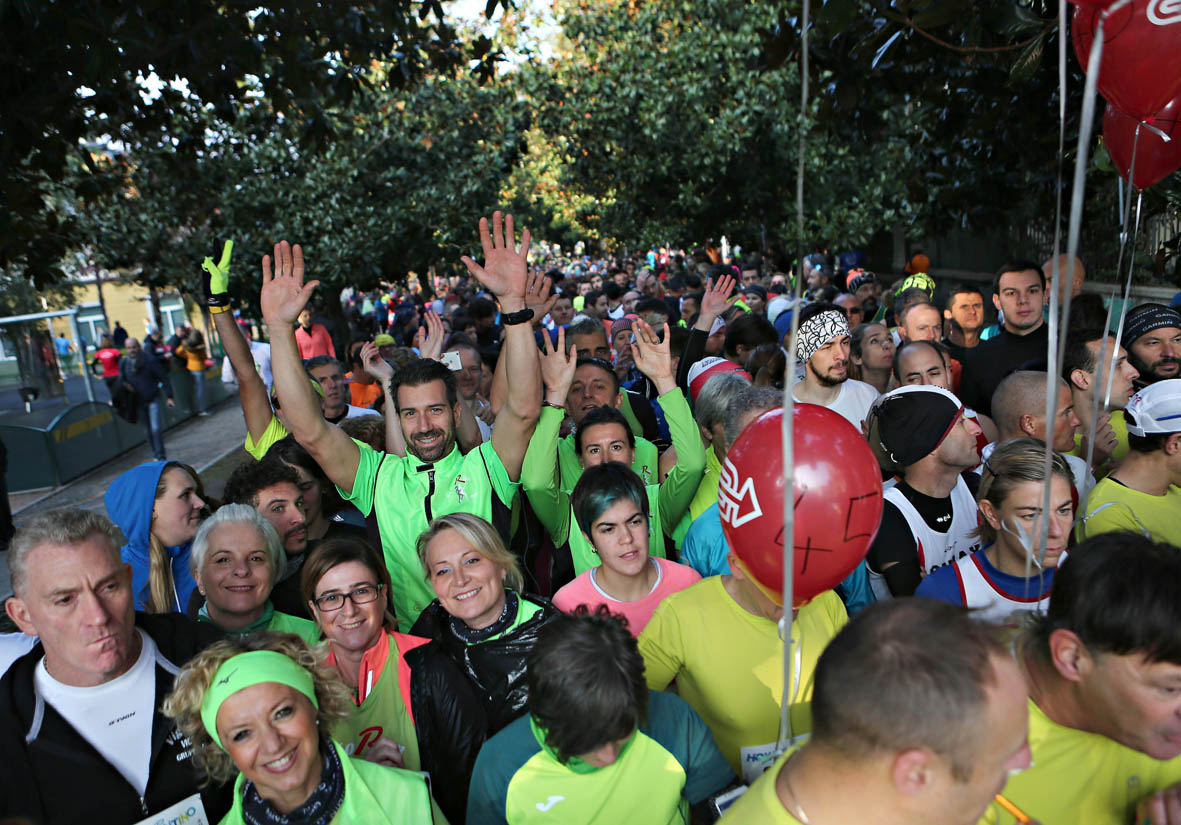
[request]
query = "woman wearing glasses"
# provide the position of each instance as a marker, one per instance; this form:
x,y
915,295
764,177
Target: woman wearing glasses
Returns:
x,y
236,560
348,591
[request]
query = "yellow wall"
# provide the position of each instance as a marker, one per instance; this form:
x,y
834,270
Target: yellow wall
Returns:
x,y
126,303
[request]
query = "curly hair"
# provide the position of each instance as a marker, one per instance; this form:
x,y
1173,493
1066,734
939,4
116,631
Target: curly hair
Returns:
x,y
183,704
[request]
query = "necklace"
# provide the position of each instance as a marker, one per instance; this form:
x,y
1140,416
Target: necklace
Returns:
x,y
799,810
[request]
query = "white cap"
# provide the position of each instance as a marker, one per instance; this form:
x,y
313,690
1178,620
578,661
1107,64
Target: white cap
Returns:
x,y
1155,409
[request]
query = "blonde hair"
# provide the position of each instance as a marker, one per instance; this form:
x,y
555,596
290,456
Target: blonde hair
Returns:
x,y
484,540
183,704
161,583
1014,462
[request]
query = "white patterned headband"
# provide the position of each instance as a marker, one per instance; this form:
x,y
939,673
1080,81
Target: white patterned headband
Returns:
x,y
818,331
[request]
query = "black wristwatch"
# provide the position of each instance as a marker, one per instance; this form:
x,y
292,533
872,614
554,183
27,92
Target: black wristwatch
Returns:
x,y
521,316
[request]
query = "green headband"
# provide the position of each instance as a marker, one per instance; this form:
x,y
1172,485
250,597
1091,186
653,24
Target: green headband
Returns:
x,y
246,670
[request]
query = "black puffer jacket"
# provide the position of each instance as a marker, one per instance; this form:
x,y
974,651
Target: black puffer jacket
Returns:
x,y
462,694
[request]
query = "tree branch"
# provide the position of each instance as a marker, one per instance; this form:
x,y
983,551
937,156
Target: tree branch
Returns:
x,y
906,21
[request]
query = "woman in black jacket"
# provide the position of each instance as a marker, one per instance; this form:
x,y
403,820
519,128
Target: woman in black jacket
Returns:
x,y
469,681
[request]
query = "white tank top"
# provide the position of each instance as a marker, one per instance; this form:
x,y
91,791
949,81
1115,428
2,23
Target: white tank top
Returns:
x,y
937,549
994,604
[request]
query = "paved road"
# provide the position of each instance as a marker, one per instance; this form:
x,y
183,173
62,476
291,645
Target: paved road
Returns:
x,y
212,445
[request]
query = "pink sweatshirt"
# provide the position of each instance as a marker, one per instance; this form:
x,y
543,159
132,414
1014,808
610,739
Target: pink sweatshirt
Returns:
x,y
671,578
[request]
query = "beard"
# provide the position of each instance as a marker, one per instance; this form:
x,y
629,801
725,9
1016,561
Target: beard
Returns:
x,y
1149,373
432,453
827,379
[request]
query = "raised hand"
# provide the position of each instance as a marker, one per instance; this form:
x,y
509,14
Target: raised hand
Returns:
x,y
651,356
216,277
284,294
505,271
374,364
557,368
430,342
537,297
716,300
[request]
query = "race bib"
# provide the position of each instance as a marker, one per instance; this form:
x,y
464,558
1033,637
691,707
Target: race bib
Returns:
x,y
188,811
756,759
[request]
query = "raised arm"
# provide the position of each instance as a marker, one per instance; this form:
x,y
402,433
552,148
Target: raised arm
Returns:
x,y
505,275
716,300
540,476
652,357
252,390
538,299
383,373
284,295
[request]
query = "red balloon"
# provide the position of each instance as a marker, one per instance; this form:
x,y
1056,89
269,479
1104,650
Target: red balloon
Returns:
x,y
838,500
1155,159
1140,71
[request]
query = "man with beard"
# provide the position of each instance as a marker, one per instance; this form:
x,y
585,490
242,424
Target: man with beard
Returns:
x,y
822,346
434,478
329,373
272,488
865,288
1153,335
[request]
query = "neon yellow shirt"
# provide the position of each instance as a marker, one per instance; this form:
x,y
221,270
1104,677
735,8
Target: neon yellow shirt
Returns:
x,y
704,639
706,495
1120,427
1111,506
1080,778
274,433
761,804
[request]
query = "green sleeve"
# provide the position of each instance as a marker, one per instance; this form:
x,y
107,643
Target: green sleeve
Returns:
x,y
539,476
274,433
368,466
679,488
505,487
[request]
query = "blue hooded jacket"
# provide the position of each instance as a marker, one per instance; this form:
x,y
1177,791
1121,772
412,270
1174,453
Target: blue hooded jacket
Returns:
x,y
130,500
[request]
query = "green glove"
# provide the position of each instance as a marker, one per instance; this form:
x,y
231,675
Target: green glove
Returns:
x,y
217,278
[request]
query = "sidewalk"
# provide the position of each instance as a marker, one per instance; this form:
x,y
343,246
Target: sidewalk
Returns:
x,y
212,446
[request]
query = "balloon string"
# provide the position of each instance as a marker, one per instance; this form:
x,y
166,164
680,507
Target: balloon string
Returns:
x,y
785,624
1078,191
1123,312
1099,364
1052,342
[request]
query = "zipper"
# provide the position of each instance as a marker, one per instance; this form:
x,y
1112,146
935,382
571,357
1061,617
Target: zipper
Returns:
x,y
430,475
143,804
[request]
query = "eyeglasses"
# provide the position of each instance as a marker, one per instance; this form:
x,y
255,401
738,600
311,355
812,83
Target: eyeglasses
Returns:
x,y
362,595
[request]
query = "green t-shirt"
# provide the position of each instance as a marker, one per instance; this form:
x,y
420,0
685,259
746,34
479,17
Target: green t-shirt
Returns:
x,y
373,795
407,494
669,763
667,501
646,462
1111,507
274,433
271,619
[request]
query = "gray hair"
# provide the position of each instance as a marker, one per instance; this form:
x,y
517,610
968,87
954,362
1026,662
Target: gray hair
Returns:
x,y
60,527
751,400
587,326
715,397
238,514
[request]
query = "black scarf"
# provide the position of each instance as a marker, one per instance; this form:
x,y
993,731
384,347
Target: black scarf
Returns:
x,y
320,807
469,636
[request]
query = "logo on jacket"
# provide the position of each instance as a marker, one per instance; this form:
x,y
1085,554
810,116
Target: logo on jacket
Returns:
x,y
460,482
549,803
